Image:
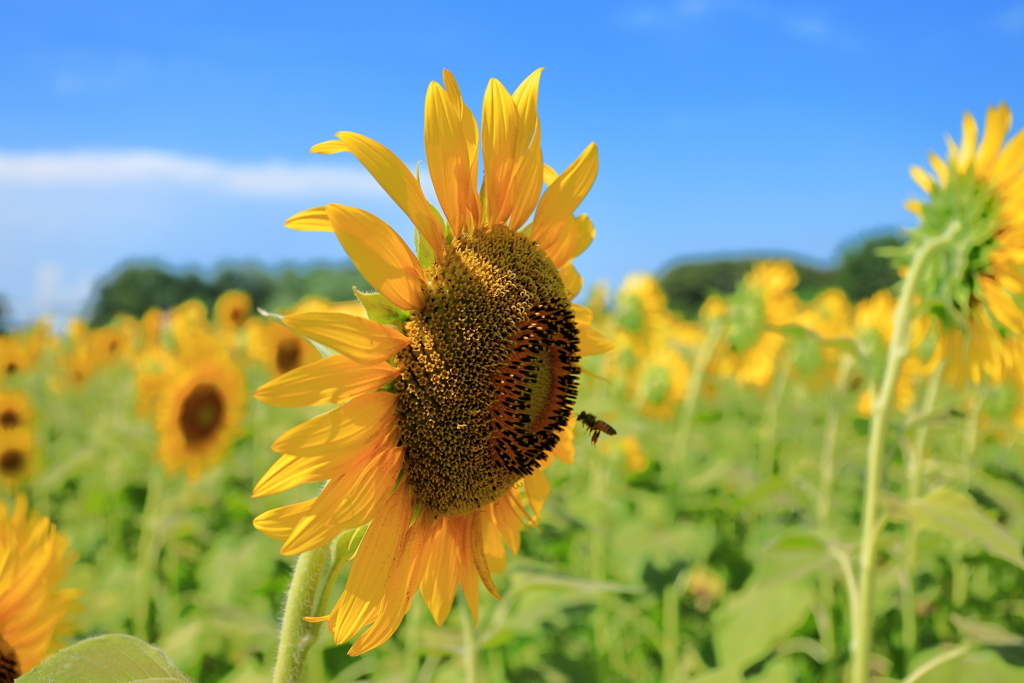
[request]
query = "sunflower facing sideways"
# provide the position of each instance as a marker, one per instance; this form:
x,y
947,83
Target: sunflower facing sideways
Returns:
x,y
460,385
976,288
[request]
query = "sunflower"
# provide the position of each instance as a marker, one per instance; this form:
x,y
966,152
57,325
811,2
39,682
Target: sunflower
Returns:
x,y
460,386
231,309
18,456
33,561
978,281
15,410
199,412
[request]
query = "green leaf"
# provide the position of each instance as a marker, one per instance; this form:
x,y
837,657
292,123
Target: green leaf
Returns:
x,y
986,633
980,665
958,516
719,676
106,659
750,623
380,310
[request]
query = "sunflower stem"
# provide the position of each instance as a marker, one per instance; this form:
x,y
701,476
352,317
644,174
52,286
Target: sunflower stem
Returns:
x,y
297,635
914,454
899,347
828,447
770,417
148,550
701,361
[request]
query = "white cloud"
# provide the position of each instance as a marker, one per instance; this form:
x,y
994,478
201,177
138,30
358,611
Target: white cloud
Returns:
x,y
120,169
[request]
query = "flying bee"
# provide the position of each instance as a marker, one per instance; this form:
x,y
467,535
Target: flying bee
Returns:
x,y
596,426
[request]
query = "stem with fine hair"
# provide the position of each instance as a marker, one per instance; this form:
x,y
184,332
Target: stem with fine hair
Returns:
x,y
913,451
297,635
148,550
770,417
899,347
828,445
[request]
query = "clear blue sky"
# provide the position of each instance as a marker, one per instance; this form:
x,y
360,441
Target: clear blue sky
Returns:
x,y
180,130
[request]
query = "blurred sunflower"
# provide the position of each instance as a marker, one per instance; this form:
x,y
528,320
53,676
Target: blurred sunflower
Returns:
x,y
975,286
231,309
33,561
199,412
466,391
18,456
280,349
14,355
15,410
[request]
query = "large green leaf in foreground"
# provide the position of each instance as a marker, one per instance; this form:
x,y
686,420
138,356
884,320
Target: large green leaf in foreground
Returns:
x,y
106,659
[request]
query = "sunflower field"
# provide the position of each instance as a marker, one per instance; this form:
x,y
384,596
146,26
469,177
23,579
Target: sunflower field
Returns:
x,y
775,490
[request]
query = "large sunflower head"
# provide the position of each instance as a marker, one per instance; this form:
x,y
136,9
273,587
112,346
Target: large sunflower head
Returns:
x,y
33,607
974,284
198,414
461,384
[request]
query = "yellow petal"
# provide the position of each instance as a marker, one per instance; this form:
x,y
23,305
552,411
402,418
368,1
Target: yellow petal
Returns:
x,y
362,340
398,181
569,239
402,585
550,175
342,430
565,450
939,168
914,206
440,576
528,175
310,220
565,194
290,470
593,342
476,538
583,315
921,177
997,124
279,522
378,554
537,490
348,501
968,142
499,133
494,549
329,380
571,280
381,256
452,168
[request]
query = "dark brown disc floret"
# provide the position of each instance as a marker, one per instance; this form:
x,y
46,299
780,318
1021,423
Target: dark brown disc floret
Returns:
x,y
202,413
489,379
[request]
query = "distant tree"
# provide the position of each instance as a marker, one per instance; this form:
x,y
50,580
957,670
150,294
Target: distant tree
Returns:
x,y
136,288
862,272
5,323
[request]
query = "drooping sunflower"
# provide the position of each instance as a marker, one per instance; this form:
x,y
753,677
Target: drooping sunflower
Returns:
x,y
199,412
34,558
461,384
978,281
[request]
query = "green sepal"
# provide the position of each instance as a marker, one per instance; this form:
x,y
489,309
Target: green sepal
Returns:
x,y
424,252
380,310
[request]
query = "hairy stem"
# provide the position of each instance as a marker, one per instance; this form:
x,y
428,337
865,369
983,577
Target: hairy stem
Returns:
x,y
297,636
899,347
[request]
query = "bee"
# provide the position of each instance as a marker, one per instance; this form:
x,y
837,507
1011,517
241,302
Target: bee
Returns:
x,y
596,426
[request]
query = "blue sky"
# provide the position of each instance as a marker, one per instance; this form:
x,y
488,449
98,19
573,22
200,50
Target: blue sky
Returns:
x,y
181,130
